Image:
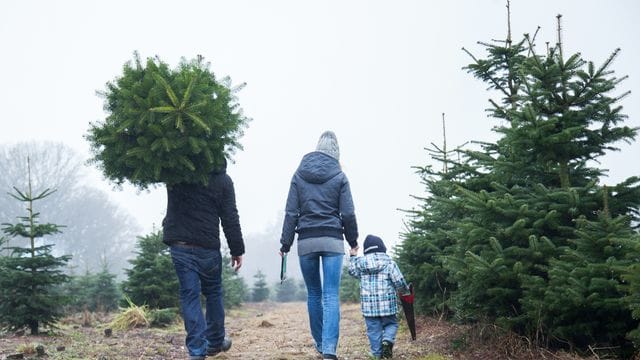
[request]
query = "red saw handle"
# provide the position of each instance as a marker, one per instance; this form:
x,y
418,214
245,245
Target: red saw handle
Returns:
x,y
408,298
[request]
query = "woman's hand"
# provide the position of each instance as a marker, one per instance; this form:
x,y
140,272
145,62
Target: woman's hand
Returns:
x,y
354,251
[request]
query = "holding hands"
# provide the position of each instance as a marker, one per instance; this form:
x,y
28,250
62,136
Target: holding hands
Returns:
x,y
354,251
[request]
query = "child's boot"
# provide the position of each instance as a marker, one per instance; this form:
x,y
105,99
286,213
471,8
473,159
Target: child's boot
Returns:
x,y
387,349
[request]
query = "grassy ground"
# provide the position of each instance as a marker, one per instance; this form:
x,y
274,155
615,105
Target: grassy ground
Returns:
x,y
272,331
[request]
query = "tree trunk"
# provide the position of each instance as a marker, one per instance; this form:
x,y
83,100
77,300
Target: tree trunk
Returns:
x,y
33,325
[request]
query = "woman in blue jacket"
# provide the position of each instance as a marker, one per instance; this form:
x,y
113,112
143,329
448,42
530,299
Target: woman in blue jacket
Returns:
x,y
320,209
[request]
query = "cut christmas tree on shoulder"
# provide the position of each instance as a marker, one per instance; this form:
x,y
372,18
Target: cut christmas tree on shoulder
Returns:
x,y
166,125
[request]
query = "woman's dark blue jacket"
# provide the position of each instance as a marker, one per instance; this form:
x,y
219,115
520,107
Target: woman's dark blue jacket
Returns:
x,y
319,202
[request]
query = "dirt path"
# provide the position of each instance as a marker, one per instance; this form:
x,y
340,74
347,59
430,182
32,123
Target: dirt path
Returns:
x,y
273,331
281,331
259,331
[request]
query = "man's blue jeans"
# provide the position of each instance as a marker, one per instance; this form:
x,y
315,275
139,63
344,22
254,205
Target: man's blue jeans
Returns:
x,y
199,270
323,302
380,328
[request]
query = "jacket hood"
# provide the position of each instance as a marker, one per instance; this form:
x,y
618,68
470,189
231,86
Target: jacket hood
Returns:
x,y
317,168
375,262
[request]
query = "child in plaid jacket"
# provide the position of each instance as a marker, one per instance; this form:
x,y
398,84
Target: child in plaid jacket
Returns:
x,y
380,278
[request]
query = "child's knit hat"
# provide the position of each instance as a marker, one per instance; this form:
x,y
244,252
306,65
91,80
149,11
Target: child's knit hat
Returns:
x,y
373,244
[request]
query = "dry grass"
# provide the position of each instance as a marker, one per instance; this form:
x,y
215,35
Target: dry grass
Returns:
x,y
27,348
133,316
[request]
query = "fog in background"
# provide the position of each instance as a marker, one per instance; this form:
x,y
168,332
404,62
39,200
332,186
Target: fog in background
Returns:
x,y
377,73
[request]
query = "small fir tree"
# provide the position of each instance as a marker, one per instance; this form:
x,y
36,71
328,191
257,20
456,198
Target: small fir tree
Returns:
x,y
93,292
349,287
29,277
234,286
260,290
286,291
104,291
301,292
78,289
152,280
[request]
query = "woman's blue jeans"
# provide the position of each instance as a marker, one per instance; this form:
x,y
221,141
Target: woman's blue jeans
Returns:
x,y
323,297
199,270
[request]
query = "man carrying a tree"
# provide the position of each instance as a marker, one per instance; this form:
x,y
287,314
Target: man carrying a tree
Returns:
x,y
191,230
177,127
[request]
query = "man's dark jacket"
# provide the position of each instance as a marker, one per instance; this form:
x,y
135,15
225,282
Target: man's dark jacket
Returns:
x,y
195,211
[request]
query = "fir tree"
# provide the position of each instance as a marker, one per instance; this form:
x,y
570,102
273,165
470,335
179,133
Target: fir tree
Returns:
x,y
631,286
165,125
421,254
286,291
349,287
79,289
260,290
511,225
152,280
93,292
29,277
301,293
104,293
588,279
234,286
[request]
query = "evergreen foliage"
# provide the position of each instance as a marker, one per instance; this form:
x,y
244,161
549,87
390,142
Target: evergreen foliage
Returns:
x,y
287,291
82,208
301,293
349,287
631,287
521,232
163,317
152,280
93,292
166,125
234,288
260,290
31,276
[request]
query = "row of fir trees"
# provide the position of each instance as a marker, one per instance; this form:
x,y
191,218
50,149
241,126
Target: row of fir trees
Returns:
x,y
522,232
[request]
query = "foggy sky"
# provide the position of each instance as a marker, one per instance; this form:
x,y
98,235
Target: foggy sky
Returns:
x,y
377,73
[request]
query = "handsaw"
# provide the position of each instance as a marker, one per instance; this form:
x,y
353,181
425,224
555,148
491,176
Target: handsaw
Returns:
x,y
283,268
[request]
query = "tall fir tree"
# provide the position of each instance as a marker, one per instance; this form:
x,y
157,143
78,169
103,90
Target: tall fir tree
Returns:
x,y
510,225
30,277
426,243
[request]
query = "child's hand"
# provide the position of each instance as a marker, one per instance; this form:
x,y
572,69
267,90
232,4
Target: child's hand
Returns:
x,y
354,251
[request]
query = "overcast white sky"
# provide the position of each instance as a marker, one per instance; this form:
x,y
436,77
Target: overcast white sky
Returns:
x,y
378,73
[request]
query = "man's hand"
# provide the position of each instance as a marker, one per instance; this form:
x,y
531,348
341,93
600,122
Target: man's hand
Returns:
x,y
354,251
236,262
